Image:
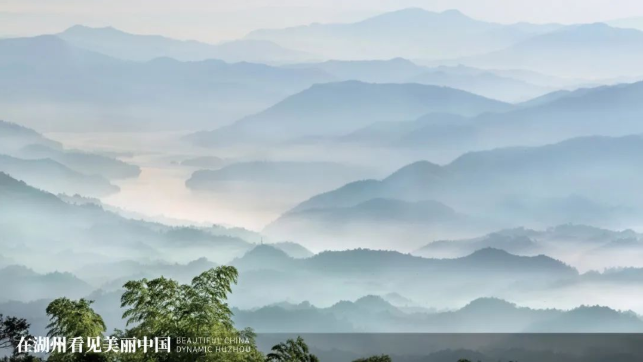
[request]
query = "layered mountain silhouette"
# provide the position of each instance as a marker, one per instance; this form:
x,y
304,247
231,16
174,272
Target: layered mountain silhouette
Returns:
x,y
483,315
337,108
588,50
488,84
435,128
409,33
64,229
31,157
385,218
21,283
580,245
364,271
56,177
14,137
111,276
123,45
293,249
536,186
606,110
483,83
49,71
88,163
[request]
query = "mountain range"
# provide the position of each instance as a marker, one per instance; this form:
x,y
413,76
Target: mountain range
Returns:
x,y
55,177
503,86
586,50
426,117
420,174
336,108
583,246
590,51
605,110
506,170
92,164
351,273
44,163
14,137
142,48
373,314
380,222
103,236
28,285
410,33
589,180
67,80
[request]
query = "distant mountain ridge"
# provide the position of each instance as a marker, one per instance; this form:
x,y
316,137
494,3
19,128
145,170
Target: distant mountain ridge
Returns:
x,y
119,44
584,246
410,33
62,227
14,137
88,163
495,186
487,83
407,182
56,177
31,157
336,108
586,50
382,262
483,315
21,281
134,95
358,272
601,111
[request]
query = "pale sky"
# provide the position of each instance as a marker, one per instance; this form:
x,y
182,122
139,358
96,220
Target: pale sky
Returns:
x,y
217,20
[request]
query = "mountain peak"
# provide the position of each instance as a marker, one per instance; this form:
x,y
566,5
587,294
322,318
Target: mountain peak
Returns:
x,y
374,303
83,29
372,300
266,251
13,271
420,170
453,13
410,16
489,254
488,305
589,34
263,257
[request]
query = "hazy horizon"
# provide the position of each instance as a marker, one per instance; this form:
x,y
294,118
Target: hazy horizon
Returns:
x,y
356,166
237,19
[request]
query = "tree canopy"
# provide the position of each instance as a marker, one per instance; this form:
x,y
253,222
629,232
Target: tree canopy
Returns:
x,y
70,319
291,351
12,329
165,308
380,358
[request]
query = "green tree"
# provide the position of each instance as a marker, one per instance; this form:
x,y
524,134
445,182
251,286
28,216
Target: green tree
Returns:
x,y
164,308
12,330
380,358
72,319
291,351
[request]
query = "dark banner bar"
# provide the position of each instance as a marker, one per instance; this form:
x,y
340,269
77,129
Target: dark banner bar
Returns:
x,y
472,347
